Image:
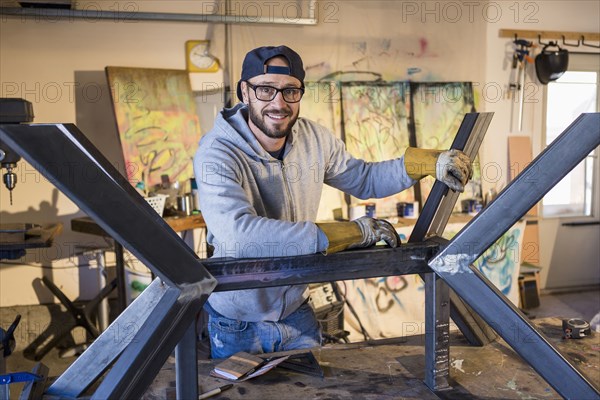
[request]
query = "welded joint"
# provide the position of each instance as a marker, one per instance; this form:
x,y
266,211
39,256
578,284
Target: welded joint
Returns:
x,y
452,264
190,291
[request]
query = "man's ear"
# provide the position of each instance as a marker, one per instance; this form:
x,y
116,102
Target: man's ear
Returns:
x,y
244,88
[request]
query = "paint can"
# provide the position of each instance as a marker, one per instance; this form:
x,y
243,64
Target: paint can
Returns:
x,y
408,210
400,209
370,210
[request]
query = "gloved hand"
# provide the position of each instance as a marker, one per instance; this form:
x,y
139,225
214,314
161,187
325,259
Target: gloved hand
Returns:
x,y
373,230
453,167
363,232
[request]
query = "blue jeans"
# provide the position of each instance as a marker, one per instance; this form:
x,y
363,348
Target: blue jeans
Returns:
x,y
299,330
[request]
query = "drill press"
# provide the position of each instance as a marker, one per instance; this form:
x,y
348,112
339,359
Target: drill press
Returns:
x,y
12,111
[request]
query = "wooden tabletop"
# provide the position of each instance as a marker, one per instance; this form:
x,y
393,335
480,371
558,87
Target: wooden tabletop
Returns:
x,y
178,224
26,236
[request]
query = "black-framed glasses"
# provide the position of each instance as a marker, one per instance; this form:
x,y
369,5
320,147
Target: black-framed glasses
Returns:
x,y
268,93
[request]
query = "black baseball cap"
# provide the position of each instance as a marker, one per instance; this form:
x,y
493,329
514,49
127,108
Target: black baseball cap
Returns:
x,y
254,64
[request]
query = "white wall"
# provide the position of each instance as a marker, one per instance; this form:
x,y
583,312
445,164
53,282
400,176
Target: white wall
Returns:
x,y
447,41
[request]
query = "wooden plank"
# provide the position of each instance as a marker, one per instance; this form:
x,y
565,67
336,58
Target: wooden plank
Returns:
x,y
529,34
519,157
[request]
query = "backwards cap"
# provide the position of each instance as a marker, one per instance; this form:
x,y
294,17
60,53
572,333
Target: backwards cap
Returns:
x,y
254,64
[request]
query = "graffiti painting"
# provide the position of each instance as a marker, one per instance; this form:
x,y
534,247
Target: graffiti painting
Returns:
x,y
438,111
376,128
157,123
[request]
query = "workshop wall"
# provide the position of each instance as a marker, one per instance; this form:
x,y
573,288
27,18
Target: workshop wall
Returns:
x,y
39,58
421,41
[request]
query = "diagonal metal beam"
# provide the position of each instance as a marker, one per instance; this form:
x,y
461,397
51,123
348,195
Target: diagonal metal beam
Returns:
x,y
453,263
63,154
97,358
149,349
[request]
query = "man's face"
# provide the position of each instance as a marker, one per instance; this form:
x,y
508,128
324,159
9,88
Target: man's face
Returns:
x,y
273,118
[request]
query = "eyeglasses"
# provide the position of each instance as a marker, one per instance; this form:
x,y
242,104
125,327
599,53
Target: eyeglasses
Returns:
x,y
268,93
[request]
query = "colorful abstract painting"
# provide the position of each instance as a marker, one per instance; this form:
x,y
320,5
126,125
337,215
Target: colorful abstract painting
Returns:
x,y
395,306
438,111
375,128
157,122
501,262
374,120
321,103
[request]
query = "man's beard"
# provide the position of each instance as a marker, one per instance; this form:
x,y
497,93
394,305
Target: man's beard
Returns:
x,y
257,119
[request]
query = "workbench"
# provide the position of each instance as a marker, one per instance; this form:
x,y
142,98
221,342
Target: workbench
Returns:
x,y
393,369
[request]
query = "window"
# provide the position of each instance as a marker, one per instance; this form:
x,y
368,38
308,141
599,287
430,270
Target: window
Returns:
x,y
573,93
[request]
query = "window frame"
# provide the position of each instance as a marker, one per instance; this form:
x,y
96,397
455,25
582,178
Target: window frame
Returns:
x,y
587,62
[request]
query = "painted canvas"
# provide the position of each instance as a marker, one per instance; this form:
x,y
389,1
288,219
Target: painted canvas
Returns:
x,y
395,306
321,103
157,123
439,109
375,128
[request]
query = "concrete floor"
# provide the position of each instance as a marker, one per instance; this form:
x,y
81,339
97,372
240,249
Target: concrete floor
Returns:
x,y
37,321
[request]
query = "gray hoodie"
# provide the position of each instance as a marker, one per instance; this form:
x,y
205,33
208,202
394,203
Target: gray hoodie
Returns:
x,y
255,205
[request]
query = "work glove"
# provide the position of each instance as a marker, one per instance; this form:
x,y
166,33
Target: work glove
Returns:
x,y
362,232
373,230
452,167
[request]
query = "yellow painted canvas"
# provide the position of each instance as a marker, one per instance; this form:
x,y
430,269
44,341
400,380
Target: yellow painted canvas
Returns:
x,y
157,122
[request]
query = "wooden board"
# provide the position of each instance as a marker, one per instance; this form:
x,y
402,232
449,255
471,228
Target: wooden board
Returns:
x,y
519,157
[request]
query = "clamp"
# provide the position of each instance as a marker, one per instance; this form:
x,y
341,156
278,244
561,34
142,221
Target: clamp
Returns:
x,y
16,377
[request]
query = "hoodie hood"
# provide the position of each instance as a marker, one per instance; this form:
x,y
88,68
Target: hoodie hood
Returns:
x,y
233,123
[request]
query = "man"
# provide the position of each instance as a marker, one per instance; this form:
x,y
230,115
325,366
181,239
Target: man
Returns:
x,y
260,174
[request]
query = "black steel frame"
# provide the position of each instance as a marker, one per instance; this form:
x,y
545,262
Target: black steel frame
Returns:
x,y
139,341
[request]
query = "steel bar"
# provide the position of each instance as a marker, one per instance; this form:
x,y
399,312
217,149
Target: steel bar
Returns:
x,y
234,274
89,366
91,14
167,324
63,154
437,333
186,364
438,207
453,263
440,202
440,189
471,148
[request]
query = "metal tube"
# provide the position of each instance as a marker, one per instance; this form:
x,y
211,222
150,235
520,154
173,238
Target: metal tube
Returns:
x,y
437,333
103,309
89,366
90,14
186,365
